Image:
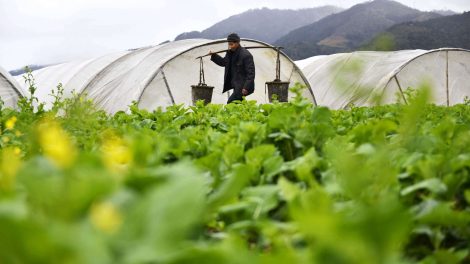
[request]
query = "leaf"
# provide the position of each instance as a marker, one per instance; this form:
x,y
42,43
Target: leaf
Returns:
x,y
273,166
229,190
304,165
281,118
278,136
447,256
467,196
257,156
160,225
263,197
433,185
14,209
289,191
439,213
233,153
366,149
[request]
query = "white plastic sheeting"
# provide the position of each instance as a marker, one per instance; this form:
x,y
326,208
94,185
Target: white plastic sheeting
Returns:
x,y
159,76
359,78
10,91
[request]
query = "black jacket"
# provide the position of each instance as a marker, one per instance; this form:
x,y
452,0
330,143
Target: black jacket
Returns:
x,y
243,70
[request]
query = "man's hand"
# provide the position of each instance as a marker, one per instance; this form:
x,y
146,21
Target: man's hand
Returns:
x,y
244,92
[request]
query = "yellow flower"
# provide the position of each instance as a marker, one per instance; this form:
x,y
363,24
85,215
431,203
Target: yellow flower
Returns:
x,y
106,217
56,143
10,124
6,139
116,153
17,151
9,166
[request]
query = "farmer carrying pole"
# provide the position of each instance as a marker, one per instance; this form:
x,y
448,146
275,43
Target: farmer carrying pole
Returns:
x,y
239,69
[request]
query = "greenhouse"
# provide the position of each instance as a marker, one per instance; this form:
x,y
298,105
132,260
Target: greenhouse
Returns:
x,y
10,91
365,78
160,76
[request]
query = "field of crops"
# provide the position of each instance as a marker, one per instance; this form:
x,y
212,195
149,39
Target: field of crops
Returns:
x,y
242,183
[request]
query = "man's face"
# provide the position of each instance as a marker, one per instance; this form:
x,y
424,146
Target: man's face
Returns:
x,y
233,45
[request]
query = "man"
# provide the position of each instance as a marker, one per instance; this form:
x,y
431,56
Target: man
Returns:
x,y
239,69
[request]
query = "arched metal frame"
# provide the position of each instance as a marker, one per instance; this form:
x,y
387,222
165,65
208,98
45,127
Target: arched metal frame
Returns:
x,y
12,82
295,67
321,71
401,67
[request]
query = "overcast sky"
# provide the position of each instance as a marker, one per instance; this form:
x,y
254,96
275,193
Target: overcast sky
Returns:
x,y
51,31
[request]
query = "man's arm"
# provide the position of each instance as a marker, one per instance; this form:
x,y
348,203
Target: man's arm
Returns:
x,y
222,62
249,65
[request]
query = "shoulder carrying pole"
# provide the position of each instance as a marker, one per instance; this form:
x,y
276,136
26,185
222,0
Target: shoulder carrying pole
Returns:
x,y
249,47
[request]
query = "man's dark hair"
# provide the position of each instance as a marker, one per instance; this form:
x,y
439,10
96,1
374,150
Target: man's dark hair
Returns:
x,y
233,38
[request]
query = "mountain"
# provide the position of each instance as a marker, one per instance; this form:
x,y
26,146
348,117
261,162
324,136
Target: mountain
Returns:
x,y
348,30
445,12
22,70
265,24
450,31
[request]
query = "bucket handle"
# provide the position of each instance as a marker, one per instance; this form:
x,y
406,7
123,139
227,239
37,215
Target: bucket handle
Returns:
x,y
202,78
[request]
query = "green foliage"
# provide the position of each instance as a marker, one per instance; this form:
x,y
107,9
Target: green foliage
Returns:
x,y
242,183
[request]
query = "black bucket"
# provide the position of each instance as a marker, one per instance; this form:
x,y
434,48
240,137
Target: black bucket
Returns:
x,y
202,92
278,88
